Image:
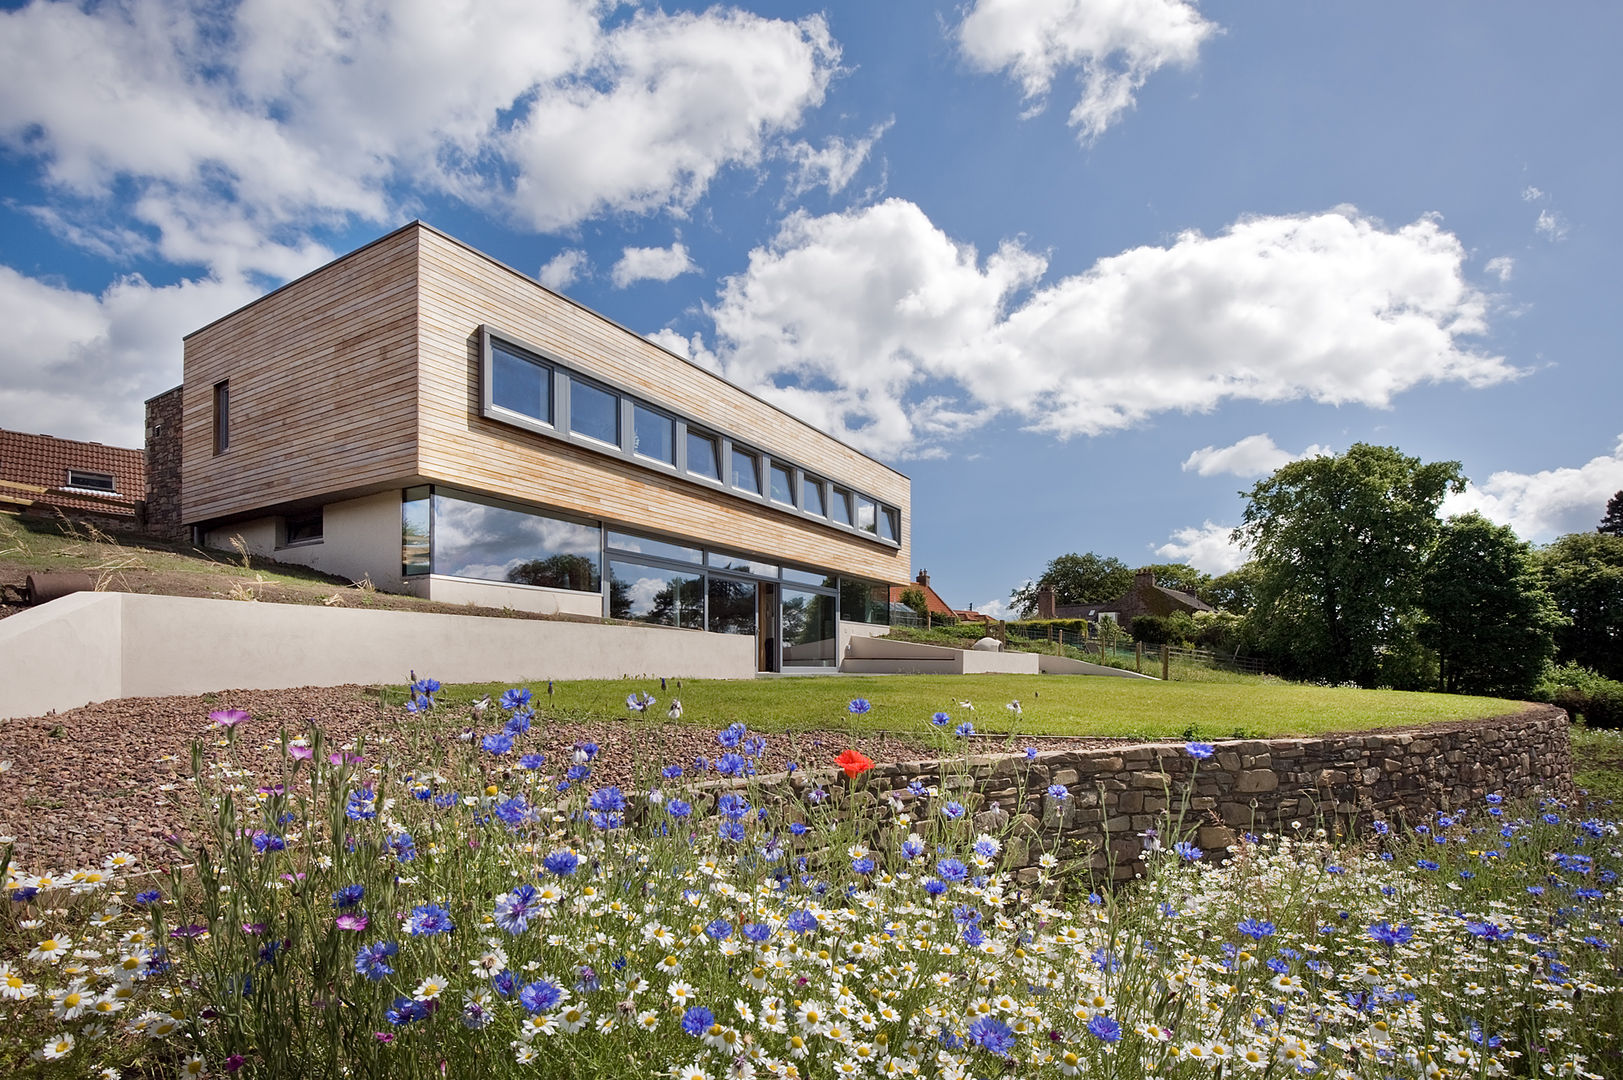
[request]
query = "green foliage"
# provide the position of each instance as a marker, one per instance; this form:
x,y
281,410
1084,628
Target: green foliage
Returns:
x,y
915,600
1235,591
1612,523
1339,543
1038,628
1597,762
1584,694
1077,579
1183,577
1584,573
1178,628
1486,611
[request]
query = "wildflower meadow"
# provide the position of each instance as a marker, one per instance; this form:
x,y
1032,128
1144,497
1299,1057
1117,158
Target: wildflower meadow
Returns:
x,y
452,905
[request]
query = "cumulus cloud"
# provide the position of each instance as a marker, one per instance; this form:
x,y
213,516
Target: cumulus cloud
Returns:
x,y
1501,267
651,264
997,609
1543,505
1531,194
79,365
1114,48
877,326
831,166
1254,455
228,135
1207,548
1551,224
563,269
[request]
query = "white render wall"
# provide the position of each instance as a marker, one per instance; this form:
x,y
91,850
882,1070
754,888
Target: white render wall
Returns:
x,y
97,646
360,538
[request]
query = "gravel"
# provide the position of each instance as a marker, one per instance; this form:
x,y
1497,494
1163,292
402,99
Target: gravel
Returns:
x,y
116,776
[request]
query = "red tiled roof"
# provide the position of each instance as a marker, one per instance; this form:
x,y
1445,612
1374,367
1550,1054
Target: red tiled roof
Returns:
x,y
44,460
936,605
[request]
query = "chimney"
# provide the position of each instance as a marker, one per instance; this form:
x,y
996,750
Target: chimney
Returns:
x,y
1045,602
924,578
1144,577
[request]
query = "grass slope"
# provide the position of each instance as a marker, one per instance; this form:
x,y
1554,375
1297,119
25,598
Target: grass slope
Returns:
x,y
1052,704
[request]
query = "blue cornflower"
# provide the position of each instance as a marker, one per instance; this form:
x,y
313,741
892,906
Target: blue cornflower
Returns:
x,y
577,773
1488,931
1058,792
991,1034
733,806
513,812
678,808
966,915
800,922
503,983
498,744
516,698
756,932
912,848
1104,1029
541,996
1256,929
953,810
361,805
518,723
719,929
1185,850
697,1020
607,800
405,1010
734,765
639,702
348,896
403,846
1031,753
951,869
1200,751
987,846
585,751
935,886
1381,828
940,719
732,736
671,772
373,960
1426,864
1495,800
964,730
446,801
730,830
150,896
1389,935
797,828
264,841
863,865
429,919
858,706
561,863
601,820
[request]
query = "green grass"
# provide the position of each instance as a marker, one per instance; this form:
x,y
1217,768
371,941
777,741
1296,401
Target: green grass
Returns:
x,y
1597,761
1053,704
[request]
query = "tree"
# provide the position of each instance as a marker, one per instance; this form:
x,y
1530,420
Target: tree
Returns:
x,y
1076,579
1235,591
1339,542
1182,577
1612,523
1584,573
1487,614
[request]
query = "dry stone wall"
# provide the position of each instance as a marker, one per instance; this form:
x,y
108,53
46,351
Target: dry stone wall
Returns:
x,y
1118,793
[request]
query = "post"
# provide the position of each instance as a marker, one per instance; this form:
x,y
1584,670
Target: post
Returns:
x,y
1138,657
1166,664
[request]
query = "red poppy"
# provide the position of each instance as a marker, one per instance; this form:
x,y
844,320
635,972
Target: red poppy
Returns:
x,y
853,763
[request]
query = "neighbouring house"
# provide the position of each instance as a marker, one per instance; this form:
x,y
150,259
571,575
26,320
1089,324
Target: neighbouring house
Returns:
x,y
1144,598
932,599
418,414
40,474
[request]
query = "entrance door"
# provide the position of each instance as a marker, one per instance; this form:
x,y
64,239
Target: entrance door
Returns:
x,y
766,627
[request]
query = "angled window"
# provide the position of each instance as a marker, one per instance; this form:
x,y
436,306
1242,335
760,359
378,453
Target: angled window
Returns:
x,y
703,459
222,416
783,485
746,471
865,514
520,384
594,412
653,434
92,481
840,507
811,497
888,524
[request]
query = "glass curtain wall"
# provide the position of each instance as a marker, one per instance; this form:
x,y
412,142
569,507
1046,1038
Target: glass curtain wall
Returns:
x,y
473,538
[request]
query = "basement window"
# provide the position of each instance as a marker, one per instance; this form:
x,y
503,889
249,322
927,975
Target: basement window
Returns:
x,y
91,481
302,528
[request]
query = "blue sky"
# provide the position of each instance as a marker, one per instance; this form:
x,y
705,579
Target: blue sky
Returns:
x,y
1082,269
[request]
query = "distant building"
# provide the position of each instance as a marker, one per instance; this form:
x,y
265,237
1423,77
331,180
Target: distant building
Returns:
x,y
1144,598
42,473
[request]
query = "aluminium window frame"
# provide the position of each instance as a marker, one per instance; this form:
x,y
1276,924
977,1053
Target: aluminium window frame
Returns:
x,y
76,478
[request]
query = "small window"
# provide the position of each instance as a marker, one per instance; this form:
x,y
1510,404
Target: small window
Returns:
x,y
222,416
783,485
416,515
91,481
702,458
865,514
594,413
644,545
653,434
746,471
811,497
520,384
840,504
303,528
887,524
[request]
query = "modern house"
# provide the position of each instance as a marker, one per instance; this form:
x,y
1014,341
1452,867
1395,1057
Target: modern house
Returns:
x,y
418,414
42,473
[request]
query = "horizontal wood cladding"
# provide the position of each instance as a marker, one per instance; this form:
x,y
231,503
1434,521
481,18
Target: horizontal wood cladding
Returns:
x,y
323,387
459,290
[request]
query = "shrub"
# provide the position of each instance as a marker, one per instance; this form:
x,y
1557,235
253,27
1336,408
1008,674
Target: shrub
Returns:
x,y
1584,694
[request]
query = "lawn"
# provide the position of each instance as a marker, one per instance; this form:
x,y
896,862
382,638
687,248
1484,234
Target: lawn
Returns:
x,y
1597,762
1050,704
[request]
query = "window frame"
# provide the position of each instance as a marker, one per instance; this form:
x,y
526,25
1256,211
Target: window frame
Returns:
x,y
222,416
303,518
76,478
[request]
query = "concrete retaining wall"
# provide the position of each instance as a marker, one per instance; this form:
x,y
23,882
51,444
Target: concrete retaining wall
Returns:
x,y
98,646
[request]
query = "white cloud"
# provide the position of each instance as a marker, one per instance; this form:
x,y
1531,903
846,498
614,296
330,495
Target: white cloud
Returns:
x,y
880,328
1501,266
563,269
1543,505
651,264
997,609
833,165
1207,548
229,136
1551,224
1115,46
1254,455
1531,194
79,365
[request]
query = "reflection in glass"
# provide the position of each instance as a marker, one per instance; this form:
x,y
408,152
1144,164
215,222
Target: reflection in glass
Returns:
x,y
865,514
653,435
494,543
594,413
809,577
746,472
840,504
702,459
811,494
809,637
414,539
887,523
644,545
783,485
649,594
732,606
864,601
743,564
520,384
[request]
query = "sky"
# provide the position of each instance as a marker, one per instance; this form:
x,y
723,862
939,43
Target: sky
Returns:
x,y
1085,270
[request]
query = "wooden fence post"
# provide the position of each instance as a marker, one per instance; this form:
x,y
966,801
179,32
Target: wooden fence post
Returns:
x,y
1166,664
1138,657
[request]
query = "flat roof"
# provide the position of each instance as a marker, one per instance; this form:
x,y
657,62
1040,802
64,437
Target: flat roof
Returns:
x,y
418,223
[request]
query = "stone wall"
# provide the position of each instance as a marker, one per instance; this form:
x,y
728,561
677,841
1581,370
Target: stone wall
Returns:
x,y
1116,793
162,512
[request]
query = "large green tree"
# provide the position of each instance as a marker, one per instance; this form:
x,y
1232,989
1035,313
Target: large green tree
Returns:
x,y
1486,612
1584,573
1612,523
1339,542
1076,579
1235,591
1183,577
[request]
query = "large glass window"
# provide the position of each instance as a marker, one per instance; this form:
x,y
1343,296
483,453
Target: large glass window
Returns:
x,y
732,606
865,514
840,507
811,497
702,457
520,384
887,523
746,471
783,485
653,434
415,512
809,577
594,412
644,545
743,564
864,601
809,637
494,543
651,594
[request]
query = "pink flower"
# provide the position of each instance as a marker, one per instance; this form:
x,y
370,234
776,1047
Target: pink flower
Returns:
x,y
228,718
383,1037
235,1062
300,752
253,928
352,920
340,759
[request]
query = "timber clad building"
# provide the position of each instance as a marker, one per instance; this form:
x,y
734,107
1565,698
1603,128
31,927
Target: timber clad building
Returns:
x,y
417,413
